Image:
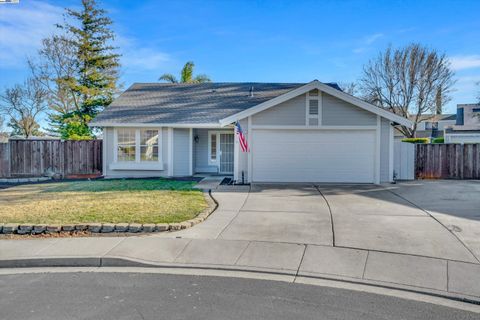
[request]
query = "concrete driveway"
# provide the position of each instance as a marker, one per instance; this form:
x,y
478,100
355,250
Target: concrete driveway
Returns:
x,y
438,219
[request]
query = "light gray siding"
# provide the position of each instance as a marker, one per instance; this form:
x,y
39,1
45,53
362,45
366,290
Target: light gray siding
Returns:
x,y
336,112
181,152
108,143
291,112
385,150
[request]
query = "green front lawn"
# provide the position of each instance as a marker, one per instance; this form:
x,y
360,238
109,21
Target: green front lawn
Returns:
x,y
115,201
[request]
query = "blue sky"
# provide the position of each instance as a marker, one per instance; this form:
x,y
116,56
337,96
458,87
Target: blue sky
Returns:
x,y
280,41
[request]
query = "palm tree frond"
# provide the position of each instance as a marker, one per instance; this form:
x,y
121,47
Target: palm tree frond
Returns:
x,y
202,78
168,78
187,72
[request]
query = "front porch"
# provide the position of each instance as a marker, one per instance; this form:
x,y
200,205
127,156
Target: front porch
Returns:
x,y
213,151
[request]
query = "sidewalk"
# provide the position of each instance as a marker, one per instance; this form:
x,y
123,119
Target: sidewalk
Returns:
x,y
428,275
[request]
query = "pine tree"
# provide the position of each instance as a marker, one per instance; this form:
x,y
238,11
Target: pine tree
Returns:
x,y
95,82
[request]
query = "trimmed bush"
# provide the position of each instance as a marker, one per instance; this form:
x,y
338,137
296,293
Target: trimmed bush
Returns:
x,y
416,140
438,140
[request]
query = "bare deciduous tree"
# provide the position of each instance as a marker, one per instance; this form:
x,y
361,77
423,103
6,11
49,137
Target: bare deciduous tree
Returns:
x,y
352,88
23,104
53,67
408,81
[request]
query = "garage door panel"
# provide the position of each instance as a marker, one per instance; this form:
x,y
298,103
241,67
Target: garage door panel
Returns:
x,y
313,156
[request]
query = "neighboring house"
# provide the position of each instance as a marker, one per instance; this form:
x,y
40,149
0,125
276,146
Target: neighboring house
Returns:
x,y
310,132
467,127
431,125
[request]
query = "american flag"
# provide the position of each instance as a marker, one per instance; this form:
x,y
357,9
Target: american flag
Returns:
x,y
241,137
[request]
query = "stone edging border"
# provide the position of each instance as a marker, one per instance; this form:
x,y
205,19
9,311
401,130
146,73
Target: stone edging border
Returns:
x,y
28,228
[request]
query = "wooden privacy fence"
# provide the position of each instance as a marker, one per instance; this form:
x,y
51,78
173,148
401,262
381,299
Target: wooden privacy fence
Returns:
x,y
447,161
35,158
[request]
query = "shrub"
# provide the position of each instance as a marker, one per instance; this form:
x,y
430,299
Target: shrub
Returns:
x,y
438,140
416,140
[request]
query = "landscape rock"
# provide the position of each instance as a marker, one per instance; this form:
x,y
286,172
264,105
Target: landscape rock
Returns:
x,y
81,227
39,228
108,227
121,227
53,228
148,227
161,227
68,227
175,226
10,228
134,227
94,227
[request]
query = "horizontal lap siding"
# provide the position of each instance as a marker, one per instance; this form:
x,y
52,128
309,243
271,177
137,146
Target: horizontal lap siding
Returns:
x,y
181,152
336,112
291,112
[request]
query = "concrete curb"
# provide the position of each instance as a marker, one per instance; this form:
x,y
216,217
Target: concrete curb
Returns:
x,y
124,262
33,229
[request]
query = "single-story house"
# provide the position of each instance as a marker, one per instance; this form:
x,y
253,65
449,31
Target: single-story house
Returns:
x,y
296,132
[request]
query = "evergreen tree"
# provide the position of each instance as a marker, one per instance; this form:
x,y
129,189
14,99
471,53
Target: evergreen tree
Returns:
x,y
95,82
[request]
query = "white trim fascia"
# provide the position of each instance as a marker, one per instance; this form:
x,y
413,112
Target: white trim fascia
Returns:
x,y
104,152
283,127
190,146
115,145
215,162
390,153
137,146
170,151
378,137
157,125
322,87
250,147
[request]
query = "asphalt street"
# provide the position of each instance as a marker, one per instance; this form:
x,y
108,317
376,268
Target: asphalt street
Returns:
x,y
160,296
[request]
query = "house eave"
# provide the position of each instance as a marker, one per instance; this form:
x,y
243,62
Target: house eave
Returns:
x,y
315,84
155,125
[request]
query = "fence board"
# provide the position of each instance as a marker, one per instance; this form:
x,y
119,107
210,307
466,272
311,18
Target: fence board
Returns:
x,y
447,161
33,158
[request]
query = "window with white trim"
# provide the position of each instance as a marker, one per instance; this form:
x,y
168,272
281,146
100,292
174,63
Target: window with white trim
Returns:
x,y
126,144
138,145
148,145
212,147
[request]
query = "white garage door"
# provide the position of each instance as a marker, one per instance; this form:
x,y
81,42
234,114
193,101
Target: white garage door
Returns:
x,y
313,156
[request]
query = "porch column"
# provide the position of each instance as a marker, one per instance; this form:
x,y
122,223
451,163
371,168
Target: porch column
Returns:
x,y
236,155
190,146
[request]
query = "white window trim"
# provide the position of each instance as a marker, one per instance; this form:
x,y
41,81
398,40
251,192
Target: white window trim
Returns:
x,y
309,116
215,162
137,164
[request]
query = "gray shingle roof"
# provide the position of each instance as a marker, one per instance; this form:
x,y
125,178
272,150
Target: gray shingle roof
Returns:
x,y
165,103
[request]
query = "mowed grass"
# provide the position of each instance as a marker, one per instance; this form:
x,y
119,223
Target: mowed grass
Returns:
x,y
114,201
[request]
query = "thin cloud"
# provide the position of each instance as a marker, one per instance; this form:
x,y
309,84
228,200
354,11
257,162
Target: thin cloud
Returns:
x,y
465,62
146,59
22,27
372,38
367,41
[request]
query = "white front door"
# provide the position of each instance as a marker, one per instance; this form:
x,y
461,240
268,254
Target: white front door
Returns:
x,y
226,153
313,156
